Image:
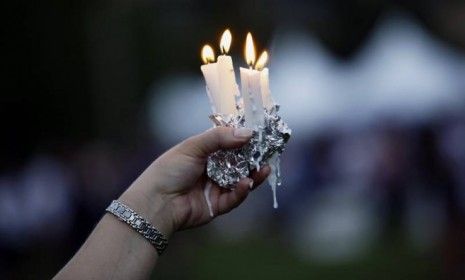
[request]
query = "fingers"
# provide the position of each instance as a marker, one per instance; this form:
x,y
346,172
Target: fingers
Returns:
x,y
231,199
228,200
260,176
215,139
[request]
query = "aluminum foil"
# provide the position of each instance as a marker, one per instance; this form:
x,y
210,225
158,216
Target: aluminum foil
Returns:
x,y
227,167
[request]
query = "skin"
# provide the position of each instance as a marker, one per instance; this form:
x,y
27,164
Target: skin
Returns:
x,y
169,194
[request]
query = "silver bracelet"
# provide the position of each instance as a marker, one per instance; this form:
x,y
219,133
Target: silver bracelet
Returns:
x,y
142,226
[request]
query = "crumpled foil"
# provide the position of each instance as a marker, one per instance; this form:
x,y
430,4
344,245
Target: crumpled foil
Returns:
x,y
227,167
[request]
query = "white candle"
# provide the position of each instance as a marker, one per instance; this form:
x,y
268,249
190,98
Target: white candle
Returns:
x,y
251,89
274,178
220,77
265,87
252,97
264,80
227,85
227,78
210,73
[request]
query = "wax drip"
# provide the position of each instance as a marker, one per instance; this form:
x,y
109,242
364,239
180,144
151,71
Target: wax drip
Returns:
x,y
206,193
260,157
274,180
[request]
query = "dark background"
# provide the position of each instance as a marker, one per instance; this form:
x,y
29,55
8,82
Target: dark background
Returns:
x,y
76,114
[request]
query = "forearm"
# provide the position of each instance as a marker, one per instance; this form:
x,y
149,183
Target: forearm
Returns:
x,y
116,251
170,195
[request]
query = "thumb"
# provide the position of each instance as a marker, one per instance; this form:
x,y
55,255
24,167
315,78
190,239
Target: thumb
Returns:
x,y
216,139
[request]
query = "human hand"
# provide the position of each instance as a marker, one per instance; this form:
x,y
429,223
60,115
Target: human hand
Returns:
x,y
171,190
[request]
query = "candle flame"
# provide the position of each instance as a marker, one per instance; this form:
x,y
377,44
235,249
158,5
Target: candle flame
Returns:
x,y
262,60
249,50
225,42
207,54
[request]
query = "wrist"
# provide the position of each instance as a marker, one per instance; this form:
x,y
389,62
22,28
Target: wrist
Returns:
x,y
154,208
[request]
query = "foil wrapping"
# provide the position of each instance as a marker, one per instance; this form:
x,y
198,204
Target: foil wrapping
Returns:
x,y
227,167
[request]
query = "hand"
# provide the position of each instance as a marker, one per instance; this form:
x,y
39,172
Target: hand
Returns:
x,y
171,190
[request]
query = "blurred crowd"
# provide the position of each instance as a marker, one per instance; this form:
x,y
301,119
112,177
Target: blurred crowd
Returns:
x,y
96,100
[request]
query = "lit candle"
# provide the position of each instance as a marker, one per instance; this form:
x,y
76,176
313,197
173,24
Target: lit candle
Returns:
x,y
227,78
220,78
210,73
273,162
251,89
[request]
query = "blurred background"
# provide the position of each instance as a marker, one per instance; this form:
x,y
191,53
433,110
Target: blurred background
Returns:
x,y
374,175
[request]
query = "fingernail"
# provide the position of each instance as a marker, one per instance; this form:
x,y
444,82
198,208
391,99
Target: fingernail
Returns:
x,y
243,132
251,184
